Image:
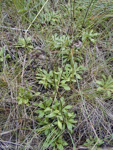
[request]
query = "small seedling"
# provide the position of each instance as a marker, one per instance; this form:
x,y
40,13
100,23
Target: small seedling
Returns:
x,y
89,36
24,43
24,96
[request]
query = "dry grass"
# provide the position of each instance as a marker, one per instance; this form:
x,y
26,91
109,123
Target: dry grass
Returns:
x,y
19,128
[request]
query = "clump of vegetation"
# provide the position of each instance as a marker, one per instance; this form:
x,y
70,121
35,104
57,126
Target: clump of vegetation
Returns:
x,y
93,142
59,78
24,43
56,66
3,57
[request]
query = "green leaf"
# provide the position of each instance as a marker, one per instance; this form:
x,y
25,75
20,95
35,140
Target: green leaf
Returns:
x,y
8,56
63,82
99,82
60,117
62,100
72,121
48,109
68,107
99,89
41,105
30,47
51,115
69,126
78,76
60,146
22,10
20,101
60,124
49,102
37,94
56,111
35,104
92,40
26,101
65,143
66,87
1,59
40,112
108,93
71,115
46,132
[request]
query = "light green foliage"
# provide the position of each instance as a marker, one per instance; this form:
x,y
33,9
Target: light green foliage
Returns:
x,y
55,114
89,35
45,78
105,85
22,5
3,56
96,142
59,143
66,31
54,140
50,17
24,43
60,42
24,96
60,78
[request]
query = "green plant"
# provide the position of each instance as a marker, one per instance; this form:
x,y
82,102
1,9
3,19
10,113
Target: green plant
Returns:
x,y
54,140
22,5
45,78
61,78
3,56
93,142
105,85
24,96
55,114
63,43
24,43
50,17
89,35
59,42
59,143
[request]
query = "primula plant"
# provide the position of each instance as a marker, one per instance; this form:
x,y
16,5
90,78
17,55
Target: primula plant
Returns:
x,y
105,85
91,36
93,142
55,114
24,43
59,42
61,78
50,17
45,78
24,96
59,143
